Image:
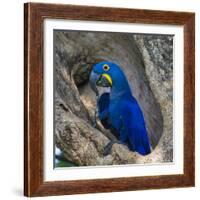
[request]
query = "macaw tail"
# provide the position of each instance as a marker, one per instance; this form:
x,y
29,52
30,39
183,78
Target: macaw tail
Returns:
x,y
144,149
139,142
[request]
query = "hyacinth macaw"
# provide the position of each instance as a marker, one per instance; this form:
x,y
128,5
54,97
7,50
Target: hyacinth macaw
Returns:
x,y
118,110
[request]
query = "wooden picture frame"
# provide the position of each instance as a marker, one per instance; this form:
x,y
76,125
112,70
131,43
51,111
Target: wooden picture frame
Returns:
x,y
34,15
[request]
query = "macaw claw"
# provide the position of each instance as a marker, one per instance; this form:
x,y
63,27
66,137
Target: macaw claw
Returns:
x,y
108,147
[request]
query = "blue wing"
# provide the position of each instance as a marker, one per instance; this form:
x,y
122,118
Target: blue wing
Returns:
x,y
133,127
103,104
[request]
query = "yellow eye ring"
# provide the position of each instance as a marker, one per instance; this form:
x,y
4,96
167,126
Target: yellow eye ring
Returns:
x,y
106,67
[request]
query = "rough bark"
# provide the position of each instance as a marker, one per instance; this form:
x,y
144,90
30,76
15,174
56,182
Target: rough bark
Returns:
x,y
75,53
157,53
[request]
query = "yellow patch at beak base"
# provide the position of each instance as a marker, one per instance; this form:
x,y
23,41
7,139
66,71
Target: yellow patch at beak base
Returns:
x,y
108,78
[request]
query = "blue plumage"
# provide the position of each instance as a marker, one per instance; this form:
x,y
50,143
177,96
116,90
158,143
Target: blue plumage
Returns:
x,y
103,104
119,110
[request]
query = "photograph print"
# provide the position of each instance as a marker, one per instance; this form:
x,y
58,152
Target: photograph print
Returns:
x,y
113,98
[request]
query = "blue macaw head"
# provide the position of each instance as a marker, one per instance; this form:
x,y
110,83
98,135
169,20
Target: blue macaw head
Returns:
x,y
105,74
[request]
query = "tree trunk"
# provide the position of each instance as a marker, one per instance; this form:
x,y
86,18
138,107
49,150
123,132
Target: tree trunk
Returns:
x,y
75,102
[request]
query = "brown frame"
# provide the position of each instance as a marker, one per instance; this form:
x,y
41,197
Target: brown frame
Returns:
x,y
34,15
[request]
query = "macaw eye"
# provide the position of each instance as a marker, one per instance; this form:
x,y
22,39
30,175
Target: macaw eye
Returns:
x,y
106,67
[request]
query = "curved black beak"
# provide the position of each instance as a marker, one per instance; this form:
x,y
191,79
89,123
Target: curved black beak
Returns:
x,y
94,77
98,80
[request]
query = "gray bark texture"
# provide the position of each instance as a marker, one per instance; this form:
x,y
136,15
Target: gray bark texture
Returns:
x,y
147,61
